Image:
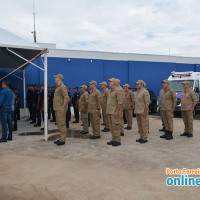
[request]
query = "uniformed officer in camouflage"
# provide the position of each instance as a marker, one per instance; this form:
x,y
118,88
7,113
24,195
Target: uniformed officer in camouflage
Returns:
x,y
114,104
142,101
60,104
188,102
122,107
83,107
129,102
105,94
169,101
94,106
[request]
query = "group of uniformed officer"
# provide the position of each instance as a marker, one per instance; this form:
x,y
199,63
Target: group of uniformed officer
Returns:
x,y
35,100
168,104
113,102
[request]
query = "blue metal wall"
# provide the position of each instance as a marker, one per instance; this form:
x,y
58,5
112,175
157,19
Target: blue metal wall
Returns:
x,y
81,71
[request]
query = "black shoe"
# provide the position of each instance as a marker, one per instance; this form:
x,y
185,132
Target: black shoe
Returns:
x,y
14,129
139,140
189,135
75,122
122,134
184,134
143,141
169,136
162,129
81,124
106,130
1,141
55,142
60,143
110,143
125,122
9,139
165,135
42,129
94,137
32,122
115,144
83,132
129,127
102,124
52,120
55,123
37,125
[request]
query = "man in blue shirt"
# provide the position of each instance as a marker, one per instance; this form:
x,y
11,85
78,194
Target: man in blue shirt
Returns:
x,y
6,99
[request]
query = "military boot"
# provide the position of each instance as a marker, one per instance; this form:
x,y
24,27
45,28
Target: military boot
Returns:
x,y
169,136
165,135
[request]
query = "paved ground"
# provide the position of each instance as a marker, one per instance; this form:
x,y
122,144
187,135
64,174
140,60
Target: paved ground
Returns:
x,y
84,169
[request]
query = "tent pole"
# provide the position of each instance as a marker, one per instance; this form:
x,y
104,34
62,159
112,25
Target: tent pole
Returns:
x,y
45,99
24,87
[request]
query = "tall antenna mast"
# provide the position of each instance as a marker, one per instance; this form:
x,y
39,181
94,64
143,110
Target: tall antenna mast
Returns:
x,y
34,32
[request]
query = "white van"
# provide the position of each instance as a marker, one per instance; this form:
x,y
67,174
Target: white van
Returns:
x,y
177,78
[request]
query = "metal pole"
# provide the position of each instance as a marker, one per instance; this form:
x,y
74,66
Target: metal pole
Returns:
x,y
24,87
45,99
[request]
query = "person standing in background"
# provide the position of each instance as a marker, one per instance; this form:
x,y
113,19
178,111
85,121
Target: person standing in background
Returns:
x,y
60,106
142,101
51,104
68,114
6,100
129,102
83,106
159,106
169,101
49,107
122,107
17,103
94,106
75,102
188,103
114,104
104,98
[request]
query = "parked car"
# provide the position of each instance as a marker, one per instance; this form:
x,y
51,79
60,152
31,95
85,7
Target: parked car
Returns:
x,y
176,79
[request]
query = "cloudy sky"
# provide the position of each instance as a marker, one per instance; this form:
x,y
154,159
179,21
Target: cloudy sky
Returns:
x,y
131,26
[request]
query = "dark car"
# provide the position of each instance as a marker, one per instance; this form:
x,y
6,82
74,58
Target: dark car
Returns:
x,y
153,100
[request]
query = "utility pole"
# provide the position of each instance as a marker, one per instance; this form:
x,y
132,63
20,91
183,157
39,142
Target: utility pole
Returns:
x,y
34,32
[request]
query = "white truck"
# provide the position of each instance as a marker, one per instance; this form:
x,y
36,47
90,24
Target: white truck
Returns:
x,y
177,78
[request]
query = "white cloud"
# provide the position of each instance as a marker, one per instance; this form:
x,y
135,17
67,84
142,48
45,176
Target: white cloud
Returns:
x,y
146,26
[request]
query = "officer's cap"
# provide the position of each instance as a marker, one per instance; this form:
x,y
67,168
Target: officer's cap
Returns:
x,y
75,88
93,82
186,83
126,85
165,81
141,82
83,86
103,83
60,76
112,80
